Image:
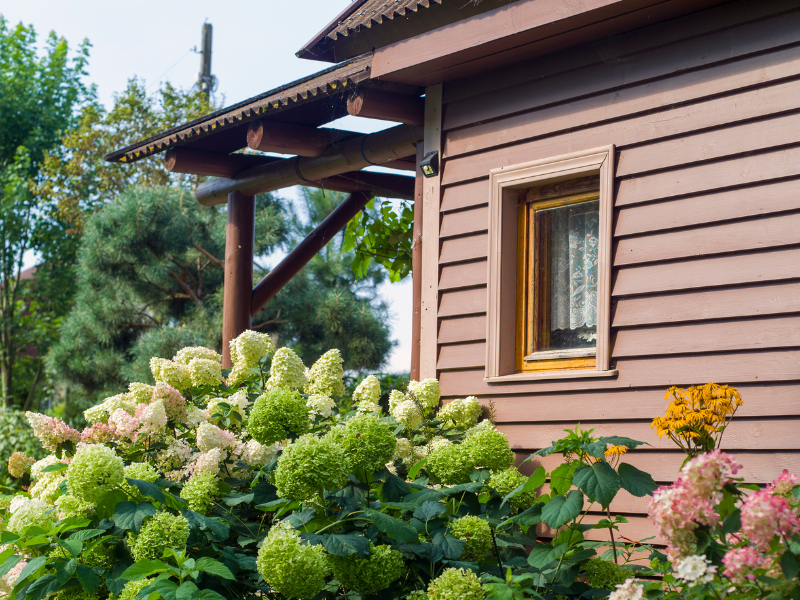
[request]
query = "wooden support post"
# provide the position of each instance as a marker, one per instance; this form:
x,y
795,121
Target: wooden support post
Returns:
x,y
416,269
240,237
307,249
387,106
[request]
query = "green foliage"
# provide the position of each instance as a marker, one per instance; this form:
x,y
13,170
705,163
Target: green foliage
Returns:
x,y
367,576
605,574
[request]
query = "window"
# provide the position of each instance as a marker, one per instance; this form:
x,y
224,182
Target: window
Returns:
x,y
549,268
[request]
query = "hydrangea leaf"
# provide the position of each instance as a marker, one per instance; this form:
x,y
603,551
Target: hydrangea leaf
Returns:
x,y
429,510
209,595
107,504
789,565
143,568
427,552
66,570
599,481
32,567
394,489
216,530
346,544
129,515
237,498
452,548
7,537
73,523
213,567
562,509
543,555
56,467
148,489
42,587
74,547
88,579
186,591
561,477
86,534
395,528
635,481
419,498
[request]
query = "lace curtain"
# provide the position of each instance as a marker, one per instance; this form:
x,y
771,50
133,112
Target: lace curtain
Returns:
x,y
573,287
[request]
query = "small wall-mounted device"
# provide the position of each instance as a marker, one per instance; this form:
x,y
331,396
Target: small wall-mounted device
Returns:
x,y
429,165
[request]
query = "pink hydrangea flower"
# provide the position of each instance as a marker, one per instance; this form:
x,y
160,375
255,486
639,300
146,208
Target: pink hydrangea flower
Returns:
x,y
764,516
125,425
174,403
709,473
783,485
741,563
52,432
99,433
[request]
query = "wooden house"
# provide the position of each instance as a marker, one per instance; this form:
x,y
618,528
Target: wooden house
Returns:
x,y
613,207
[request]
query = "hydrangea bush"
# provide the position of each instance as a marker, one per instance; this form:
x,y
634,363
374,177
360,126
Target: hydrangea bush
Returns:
x,y
270,480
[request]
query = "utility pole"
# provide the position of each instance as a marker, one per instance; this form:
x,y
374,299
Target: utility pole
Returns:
x,y
205,80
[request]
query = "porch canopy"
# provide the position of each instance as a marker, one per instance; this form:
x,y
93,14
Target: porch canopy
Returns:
x,y
289,120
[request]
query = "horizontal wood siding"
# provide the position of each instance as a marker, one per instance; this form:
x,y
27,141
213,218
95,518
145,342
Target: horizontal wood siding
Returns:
x,y
704,112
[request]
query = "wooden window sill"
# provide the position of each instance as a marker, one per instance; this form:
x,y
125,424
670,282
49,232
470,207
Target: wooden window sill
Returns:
x,y
546,375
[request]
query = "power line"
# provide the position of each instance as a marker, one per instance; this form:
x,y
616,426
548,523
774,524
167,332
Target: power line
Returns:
x,y
160,77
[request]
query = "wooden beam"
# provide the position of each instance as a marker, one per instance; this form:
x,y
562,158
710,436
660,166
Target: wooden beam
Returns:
x,y
287,138
211,164
416,269
266,289
387,106
352,154
386,185
240,236
409,163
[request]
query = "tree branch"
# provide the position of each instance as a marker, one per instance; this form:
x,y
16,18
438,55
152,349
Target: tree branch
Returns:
x,y
210,256
186,288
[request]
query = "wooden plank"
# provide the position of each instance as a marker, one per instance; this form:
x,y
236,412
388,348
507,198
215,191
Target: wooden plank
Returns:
x,y
682,338
462,302
651,96
637,528
462,329
749,38
725,303
463,248
741,434
769,265
463,275
554,122
754,136
757,467
708,208
617,47
462,196
460,356
761,400
726,367
623,502
465,221
752,234
707,177
431,199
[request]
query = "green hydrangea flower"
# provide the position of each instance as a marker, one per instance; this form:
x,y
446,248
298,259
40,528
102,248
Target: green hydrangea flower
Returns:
x,y
141,392
368,575
142,472
418,595
185,355
489,449
368,442
506,481
171,373
426,392
205,372
75,592
70,506
132,589
249,348
476,533
287,371
456,584
461,413
214,408
30,512
605,574
450,464
395,398
408,414
291,566
278,414
326,375
162,530
200,492
308,466
94,471
369,390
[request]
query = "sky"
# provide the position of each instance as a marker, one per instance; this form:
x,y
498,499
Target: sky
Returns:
x,y
253,51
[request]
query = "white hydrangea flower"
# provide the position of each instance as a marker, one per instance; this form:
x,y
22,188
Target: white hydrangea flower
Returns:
x,y
249,348
630,590
171,373
205,372
326,375
141,393
479,427
287,370
396,397
185,355
462,413
695,570
320,404
209,462
369,390
210,436
213,407
154,418
240,399
195,416
408,414
365,406
102,411
175,459
257,455
404,450
426,392
29,512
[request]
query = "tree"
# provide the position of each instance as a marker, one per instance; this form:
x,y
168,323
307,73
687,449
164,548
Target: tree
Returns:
x,y
40,90
149,281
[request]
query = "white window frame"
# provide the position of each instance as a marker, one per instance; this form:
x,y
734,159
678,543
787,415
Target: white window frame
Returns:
x,y
505,183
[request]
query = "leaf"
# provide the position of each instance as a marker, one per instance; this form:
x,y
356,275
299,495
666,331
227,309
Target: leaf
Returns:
x,y
8,538
74,547
616,440
186,591
395,528
543,554
237,498
108,503
561,477
42,587
66,570
452,548
32,567
9,563
414,470
209,595
599,481
536,480
429,510
143,568
635,481
264,492
299,519
562,509
148,489
213,567
55,467
88,579
789,565
530,516
419,498
346,544
216,530
86,534
73,523
166,589
394,489
129,515
427,552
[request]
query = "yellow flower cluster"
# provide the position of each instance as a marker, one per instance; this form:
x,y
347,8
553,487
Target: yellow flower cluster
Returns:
x,y
697,416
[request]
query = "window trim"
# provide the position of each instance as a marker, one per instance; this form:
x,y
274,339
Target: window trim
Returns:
x,y
505,183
